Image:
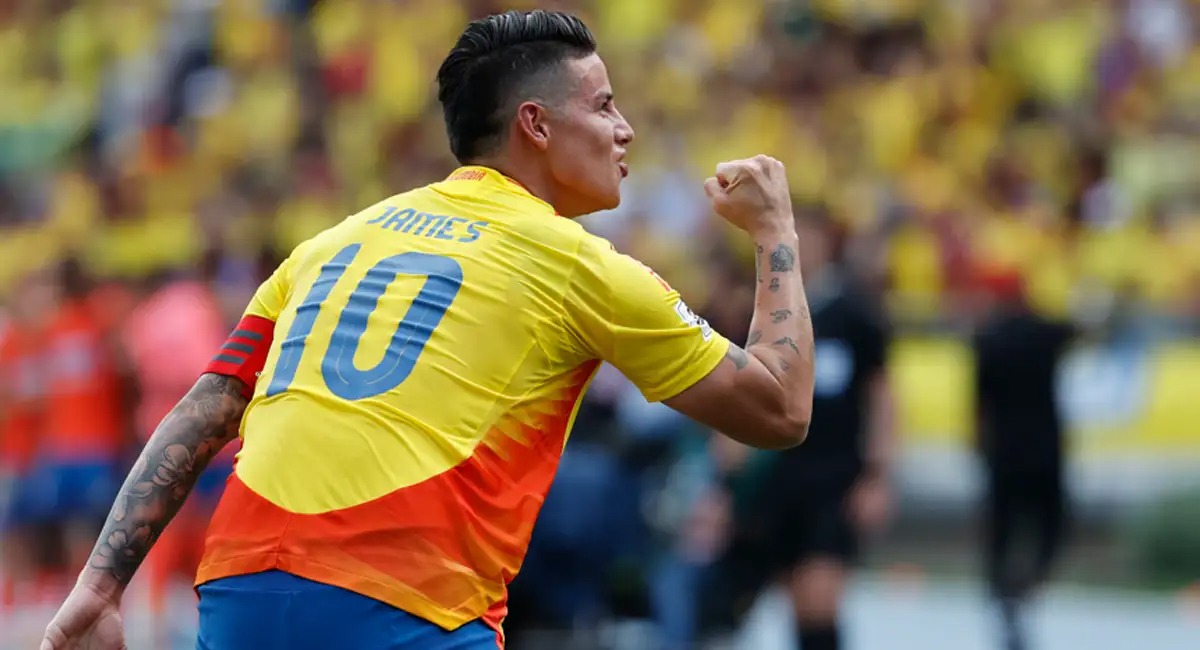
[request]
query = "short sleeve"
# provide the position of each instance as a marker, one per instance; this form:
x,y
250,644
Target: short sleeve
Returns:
x,y
272,294
620,311
244,353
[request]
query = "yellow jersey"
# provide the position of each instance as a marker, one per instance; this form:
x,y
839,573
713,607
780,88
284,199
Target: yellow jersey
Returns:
x,y
421,365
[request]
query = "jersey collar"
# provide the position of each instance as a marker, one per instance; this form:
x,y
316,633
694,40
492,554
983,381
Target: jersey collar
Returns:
x,y
492,179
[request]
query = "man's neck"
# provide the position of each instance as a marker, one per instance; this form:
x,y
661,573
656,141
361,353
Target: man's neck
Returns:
x,y
532,181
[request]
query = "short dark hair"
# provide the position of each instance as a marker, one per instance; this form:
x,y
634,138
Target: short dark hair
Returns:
x,y
497,63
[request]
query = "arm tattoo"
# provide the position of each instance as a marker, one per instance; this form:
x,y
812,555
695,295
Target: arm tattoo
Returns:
x,y
773,286
755,336
758,264
737,356
780,315
787,340
783,259
196,429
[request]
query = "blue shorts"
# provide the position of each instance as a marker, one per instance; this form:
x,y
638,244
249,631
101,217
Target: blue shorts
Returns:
x,y
274,610
12,493
61,490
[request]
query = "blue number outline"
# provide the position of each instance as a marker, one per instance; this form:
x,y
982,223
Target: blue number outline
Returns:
x,y
443,279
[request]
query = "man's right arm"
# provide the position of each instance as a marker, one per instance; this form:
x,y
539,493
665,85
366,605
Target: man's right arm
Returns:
x,y
762,395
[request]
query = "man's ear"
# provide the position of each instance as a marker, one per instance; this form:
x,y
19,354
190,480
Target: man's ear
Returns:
x,y
532,124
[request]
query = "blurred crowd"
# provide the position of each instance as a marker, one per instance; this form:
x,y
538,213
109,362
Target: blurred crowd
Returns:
x,y
955,140
159,157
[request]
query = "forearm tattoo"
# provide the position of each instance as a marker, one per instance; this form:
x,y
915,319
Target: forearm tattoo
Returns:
x,y
196,429
788,341
738,356
783,259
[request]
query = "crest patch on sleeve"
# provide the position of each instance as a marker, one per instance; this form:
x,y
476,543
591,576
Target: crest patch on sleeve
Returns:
x,y
691,318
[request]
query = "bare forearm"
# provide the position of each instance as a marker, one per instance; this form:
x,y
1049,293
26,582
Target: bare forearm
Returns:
x,y
203,422
781,334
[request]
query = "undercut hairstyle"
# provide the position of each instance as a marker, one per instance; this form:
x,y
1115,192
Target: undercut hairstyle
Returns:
x,y
498,63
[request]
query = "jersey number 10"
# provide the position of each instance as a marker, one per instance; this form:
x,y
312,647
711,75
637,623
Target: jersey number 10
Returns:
x,y
443,277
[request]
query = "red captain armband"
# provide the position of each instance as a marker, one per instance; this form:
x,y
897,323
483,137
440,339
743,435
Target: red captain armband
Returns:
x,y
245,352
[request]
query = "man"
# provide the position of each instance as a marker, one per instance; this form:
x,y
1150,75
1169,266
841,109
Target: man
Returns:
x,y
420,367
1020,437
814,502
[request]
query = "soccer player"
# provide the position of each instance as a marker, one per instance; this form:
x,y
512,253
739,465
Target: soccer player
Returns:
x,y
404,382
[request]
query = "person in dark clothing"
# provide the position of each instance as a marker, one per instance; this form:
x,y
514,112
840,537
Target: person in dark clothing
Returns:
x,y
817,499
1020,438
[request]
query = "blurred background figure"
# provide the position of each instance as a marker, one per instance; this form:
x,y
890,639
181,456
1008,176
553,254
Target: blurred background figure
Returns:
x,y
1020,438
83,435
21,413
844,489
170,337
176,149
816,501
697,494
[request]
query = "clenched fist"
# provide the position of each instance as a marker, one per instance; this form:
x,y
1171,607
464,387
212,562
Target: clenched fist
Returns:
x,y
752,194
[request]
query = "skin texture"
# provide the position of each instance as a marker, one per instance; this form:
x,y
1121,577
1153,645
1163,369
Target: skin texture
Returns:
x,y
591,137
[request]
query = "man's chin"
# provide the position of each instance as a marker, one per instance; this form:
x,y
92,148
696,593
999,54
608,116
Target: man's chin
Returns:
x,y
613,199
599,205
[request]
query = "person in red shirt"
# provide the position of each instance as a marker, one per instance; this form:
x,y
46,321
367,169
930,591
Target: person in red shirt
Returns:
x,y
169,338
21,411
84,433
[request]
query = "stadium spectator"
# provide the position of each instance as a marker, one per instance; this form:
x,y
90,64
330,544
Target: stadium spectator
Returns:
x,y
21,416
82,443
